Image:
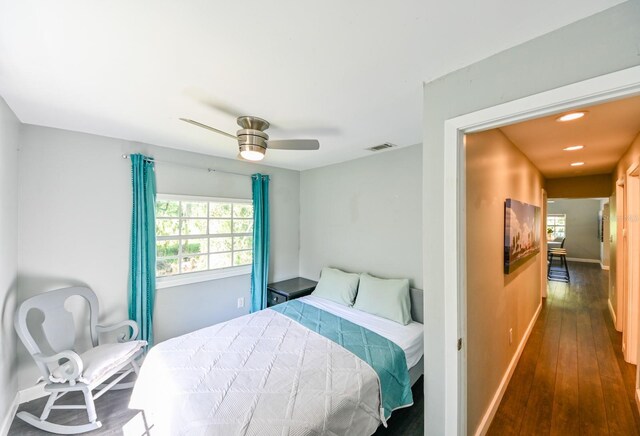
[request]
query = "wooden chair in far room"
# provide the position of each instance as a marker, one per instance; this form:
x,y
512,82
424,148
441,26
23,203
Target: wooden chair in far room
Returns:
x,y
560,274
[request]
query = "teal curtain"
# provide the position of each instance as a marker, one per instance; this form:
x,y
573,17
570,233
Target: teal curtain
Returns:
x,y
260,266
142,267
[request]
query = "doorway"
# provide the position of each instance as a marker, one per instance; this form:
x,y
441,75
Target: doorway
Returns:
x,y
593,91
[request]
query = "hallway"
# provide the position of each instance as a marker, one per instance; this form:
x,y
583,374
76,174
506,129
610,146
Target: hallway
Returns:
x,y
571,377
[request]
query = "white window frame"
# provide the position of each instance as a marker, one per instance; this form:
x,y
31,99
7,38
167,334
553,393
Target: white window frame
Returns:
x,y
201,276
559,215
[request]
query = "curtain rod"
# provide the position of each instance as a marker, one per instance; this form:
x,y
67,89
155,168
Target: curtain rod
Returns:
x,y
210,170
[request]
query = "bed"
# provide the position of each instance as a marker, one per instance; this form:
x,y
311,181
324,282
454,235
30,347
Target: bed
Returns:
x,y
281,371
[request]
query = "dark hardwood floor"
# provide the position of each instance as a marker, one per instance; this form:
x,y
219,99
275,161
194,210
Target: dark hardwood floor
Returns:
x,y
572,377
117,419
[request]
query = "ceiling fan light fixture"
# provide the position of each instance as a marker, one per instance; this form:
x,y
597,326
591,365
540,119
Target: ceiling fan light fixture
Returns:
x,y
252,152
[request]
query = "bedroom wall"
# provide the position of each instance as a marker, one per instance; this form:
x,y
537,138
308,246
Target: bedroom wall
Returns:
x,y
9,137
496,170
600,44
364,215
582,227
75,204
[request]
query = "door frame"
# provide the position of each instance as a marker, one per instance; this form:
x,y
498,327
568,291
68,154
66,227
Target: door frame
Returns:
x,y
631,282
621,274
600,89
543,243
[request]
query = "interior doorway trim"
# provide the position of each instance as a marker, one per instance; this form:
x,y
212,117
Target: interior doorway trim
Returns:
x,y
621,273
631,239
600,89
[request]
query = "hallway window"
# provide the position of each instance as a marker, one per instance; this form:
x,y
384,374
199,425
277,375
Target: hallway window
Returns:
x,y
556,226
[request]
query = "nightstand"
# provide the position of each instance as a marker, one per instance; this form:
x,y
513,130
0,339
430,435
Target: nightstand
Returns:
x,y
286,290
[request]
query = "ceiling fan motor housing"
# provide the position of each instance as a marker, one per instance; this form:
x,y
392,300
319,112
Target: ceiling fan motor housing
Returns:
x,y
252,136
251,139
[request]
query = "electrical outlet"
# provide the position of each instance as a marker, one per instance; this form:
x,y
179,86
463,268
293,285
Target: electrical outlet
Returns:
x,y
510,336
240,302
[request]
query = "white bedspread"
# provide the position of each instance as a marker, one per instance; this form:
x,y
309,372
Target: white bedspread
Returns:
x,y
260,374
409,337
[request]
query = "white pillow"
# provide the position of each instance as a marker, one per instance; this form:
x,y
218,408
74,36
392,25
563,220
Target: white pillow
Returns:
x,y
338,286
388,298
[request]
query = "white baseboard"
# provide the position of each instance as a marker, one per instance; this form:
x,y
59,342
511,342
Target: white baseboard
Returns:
x,y
579,259
32,393
612,312
23,396
483,427
8,419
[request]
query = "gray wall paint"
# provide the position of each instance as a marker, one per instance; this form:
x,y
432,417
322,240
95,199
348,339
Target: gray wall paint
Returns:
x,y
604,43
208,303
582,227
364,215
9,137
75,204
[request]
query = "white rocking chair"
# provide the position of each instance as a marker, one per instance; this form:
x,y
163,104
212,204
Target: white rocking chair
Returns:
x,y
63,369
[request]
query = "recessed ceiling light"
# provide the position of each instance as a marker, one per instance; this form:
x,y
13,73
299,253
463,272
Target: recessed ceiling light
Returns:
x,y
577,164
571,116
574,147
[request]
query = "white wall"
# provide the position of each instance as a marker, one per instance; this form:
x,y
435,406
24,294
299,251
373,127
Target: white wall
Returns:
x,y
75,207
9,131
603,43
364,215
582,226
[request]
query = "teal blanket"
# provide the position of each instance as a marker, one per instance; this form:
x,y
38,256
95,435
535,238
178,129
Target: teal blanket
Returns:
x,y
384,356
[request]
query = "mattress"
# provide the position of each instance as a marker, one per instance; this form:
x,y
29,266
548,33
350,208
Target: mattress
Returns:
x,y
409,337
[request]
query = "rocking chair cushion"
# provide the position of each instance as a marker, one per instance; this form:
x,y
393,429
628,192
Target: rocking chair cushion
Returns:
x,y
100,361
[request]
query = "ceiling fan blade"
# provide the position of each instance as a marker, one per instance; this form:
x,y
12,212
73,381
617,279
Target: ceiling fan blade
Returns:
x,y
201,96
204,126
294,144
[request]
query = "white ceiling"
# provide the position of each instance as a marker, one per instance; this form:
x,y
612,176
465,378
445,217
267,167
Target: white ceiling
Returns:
x,y
348,73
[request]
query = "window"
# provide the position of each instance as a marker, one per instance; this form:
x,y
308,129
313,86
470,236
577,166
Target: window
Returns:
x,y
199,234
556,226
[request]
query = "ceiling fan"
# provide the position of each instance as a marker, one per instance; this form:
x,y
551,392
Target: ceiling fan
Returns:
x,y
253,141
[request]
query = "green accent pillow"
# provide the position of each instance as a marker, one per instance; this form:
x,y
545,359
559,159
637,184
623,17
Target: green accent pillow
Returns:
x,y
388,298
338,286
